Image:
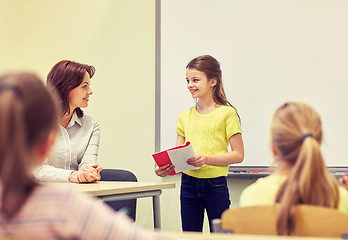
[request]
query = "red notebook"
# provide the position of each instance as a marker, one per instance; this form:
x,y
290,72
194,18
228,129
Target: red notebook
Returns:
x,y
176,156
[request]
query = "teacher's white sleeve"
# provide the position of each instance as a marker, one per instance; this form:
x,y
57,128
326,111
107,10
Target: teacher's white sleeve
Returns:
x,y
48,173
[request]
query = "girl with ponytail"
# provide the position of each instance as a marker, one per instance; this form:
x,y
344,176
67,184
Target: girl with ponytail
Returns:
x,y
30,210
300,175
27,130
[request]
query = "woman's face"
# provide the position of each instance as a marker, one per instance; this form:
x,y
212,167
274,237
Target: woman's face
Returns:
x,y
79,96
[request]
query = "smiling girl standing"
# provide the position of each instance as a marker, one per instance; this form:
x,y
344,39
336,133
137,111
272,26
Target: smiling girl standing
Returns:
x,y
211,125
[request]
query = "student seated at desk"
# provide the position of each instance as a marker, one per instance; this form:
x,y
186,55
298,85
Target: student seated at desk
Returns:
x,y
300,175
29,210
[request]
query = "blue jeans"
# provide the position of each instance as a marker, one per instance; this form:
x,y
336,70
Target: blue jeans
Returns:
x,y
198,194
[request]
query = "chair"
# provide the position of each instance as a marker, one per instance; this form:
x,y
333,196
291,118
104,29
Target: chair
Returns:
x,y
309,221
119,175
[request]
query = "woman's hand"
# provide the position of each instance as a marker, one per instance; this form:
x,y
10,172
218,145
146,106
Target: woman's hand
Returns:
x,y
197,161
86,174
164,170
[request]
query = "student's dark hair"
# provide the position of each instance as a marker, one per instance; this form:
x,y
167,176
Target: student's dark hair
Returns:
x,y
211,67
64,77
28,113
296,133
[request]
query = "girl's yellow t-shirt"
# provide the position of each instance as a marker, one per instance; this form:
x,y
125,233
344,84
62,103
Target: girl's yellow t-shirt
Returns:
x,y
209,134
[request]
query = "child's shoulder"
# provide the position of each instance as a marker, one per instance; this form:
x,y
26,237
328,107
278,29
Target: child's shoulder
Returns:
x,y
266,183
60,190
61,195
55,190
187,112
227,109
56,197
262,192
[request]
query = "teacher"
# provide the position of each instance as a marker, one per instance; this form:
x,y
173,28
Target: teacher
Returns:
x,y
74,155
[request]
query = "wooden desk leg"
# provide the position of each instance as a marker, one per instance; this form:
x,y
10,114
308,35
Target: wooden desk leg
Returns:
x,y
156,212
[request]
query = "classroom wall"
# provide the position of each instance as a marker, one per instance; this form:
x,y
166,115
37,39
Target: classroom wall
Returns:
x,y
10,35
270,52
118,38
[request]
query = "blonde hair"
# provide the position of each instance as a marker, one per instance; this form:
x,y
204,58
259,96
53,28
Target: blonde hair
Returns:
x,y
297,134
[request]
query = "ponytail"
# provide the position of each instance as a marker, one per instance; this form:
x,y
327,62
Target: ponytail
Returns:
x,y
13,150
28,113
309,181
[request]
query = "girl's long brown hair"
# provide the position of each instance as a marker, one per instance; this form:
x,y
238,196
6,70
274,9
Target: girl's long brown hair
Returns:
x,y
211,67
297,134
28,113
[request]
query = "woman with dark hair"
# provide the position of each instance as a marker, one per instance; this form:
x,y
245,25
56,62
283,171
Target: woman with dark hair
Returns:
x,y
74,156
28,209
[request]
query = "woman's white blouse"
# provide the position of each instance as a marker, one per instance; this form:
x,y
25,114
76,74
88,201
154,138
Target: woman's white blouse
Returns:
x,y
76,146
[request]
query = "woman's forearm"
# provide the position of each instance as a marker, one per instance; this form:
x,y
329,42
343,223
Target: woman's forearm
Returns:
x,y
224,158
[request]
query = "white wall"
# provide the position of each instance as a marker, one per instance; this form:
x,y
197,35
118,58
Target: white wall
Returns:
x,y
118,38
271,52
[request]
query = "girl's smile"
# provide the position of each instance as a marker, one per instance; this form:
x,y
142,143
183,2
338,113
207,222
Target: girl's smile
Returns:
x,y
193,91
198,84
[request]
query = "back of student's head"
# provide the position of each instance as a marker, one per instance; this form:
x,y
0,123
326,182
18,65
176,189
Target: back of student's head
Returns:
x,y
28,114
64,77
296,133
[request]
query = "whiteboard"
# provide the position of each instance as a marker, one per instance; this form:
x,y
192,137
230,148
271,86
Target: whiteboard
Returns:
x,y
271,51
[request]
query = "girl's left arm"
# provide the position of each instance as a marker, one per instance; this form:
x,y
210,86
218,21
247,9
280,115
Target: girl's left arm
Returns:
x,y
224,159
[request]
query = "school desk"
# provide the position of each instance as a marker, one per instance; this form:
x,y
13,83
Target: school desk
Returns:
x,y
107,190
229,236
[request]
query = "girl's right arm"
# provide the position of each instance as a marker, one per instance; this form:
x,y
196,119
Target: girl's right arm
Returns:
x,y
164,170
